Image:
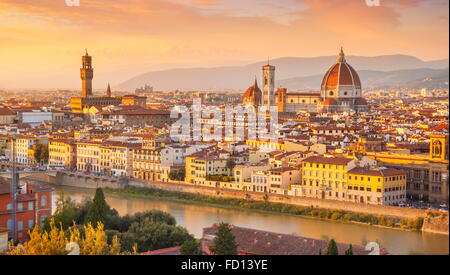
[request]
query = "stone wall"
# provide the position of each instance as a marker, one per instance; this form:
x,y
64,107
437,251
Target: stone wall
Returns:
x,y
378,210
436,224
40,177
82,181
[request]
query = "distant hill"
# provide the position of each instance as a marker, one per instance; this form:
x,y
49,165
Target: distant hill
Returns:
x,y
287,68
413,79
436,81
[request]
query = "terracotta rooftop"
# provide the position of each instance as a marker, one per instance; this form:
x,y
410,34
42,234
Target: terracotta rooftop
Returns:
x,y
376,172
325,160
258,242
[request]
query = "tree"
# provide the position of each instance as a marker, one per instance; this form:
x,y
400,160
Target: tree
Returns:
x,y
67,212
99,210
191,247
40,152
224,243
332,248
177,175
151,236
230,164
349,251
56,241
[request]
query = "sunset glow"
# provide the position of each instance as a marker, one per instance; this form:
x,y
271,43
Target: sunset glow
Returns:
x,y
146,35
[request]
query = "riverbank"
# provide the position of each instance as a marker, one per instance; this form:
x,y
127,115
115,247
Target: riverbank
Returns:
x,y
265,206
370,214
195,216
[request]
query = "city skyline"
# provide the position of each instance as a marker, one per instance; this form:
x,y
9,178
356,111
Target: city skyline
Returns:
x,y
133,37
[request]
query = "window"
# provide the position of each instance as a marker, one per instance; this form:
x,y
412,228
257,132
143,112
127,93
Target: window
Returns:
x,y
30,224
20,225
10,225
20,206
44,200
9,206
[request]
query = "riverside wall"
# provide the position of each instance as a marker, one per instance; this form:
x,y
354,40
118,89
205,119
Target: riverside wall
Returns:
x,y
377,210
88,181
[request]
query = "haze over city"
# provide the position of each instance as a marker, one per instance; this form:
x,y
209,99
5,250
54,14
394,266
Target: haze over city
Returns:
x,y
42,40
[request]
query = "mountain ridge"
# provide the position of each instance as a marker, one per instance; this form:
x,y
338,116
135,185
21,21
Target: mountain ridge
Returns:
x,y
240,77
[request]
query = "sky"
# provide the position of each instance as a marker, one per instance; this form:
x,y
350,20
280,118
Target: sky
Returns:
x,y
41,42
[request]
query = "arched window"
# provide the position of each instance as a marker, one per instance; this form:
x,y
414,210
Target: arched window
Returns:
x,y
437,148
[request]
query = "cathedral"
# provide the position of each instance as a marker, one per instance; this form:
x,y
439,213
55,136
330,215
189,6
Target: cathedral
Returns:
x,y
340,91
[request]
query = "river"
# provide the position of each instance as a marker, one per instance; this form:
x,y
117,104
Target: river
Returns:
x,y
195,217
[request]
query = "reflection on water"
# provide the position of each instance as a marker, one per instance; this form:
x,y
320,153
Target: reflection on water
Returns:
x,y
195,217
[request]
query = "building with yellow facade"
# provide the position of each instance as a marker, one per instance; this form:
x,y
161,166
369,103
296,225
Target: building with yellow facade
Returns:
x,y
147,160
201,166
62,152
342,179
427,174
265,144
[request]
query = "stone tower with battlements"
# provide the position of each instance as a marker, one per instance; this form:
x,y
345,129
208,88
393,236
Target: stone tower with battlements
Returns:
x,y
86,73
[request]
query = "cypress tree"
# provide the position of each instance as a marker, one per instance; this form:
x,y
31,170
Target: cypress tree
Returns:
x,y
349,251
224,243
99,210
332,248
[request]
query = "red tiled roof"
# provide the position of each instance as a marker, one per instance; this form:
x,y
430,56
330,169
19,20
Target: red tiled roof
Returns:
x,y
325,160
258,242
165,251
7,112
340,73
376,172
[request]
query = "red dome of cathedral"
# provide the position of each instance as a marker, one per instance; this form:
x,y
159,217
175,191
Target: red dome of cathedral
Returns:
x,y
253,95
341,74
251,91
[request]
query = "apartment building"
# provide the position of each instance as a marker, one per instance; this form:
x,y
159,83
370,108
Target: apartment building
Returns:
x,y
338,178
62,152
202,165
376,186
89,156
147,163
33,206
281,178
24,146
